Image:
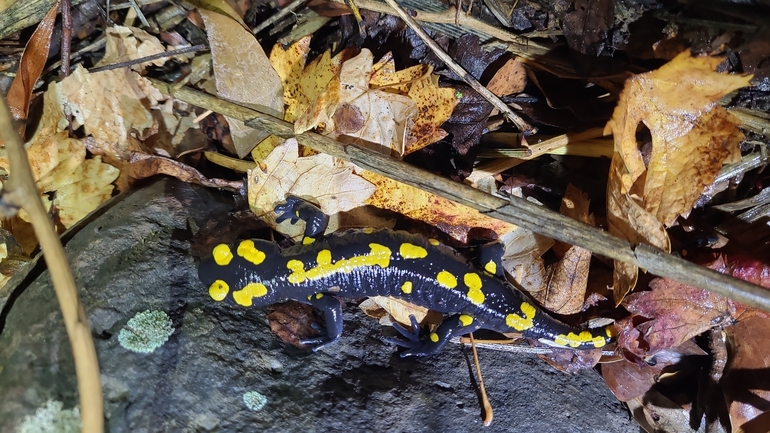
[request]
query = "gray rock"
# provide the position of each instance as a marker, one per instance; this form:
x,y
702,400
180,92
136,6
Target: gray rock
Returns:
x,y
137,257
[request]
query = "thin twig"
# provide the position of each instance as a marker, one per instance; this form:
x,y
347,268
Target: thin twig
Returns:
x,y
457,69
149,58
66,36
488,413
468,22
278,16
20,192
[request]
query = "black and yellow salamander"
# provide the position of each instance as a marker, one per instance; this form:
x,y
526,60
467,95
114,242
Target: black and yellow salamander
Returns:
x,y
360,263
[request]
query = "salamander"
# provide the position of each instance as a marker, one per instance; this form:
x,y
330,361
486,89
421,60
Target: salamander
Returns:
x,y
368,262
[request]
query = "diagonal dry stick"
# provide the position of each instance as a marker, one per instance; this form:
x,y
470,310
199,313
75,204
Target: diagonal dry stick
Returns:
x,y
516,211
19,191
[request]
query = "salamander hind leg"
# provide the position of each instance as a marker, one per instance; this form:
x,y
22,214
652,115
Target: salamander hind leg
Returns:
x,y
332,311
296,209
429,343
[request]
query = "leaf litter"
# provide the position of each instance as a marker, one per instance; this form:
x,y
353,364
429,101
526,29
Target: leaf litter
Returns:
x,y
412,109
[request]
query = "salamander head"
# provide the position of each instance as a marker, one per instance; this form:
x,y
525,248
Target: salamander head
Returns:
x,y
239,272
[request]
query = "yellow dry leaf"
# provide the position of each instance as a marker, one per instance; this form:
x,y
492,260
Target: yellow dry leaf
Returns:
x,y
80,185
385,77
330,183
321,110
263,149
243,74
434,104
42,156
692,137
110,105
450,217
130,43
303,84
434,107
90,186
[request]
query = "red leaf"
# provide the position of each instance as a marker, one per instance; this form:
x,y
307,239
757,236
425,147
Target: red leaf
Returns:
x,y
31,66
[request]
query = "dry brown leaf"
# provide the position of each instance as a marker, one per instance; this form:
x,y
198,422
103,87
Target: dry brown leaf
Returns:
x,y
130,43
90,186
31,66
522,259
400,311
628,380
243,74
657,413
144,165
59,166
291,322
510,79
564,284
42,156
567,282
574,204
692,137
676,313
743,382
331,184
110,105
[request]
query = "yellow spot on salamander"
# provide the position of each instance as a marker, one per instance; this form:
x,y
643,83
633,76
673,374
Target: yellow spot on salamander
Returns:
x,y
218,290
319,295
473,281
407,287
250,291
466,320
324,257
446,279
576,340
433,337
307,240
222,255
434,242
610,331
491,267
379,255
248,251
368,230
411,251
520,323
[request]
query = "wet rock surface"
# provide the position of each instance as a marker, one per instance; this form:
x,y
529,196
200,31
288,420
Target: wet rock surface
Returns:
x,y
137,257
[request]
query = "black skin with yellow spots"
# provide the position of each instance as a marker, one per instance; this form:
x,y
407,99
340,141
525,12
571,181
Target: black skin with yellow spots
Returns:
x,y
360,263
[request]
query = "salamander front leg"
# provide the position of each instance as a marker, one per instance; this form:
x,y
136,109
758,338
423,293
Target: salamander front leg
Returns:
x,y
332,311
296,209
432,342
